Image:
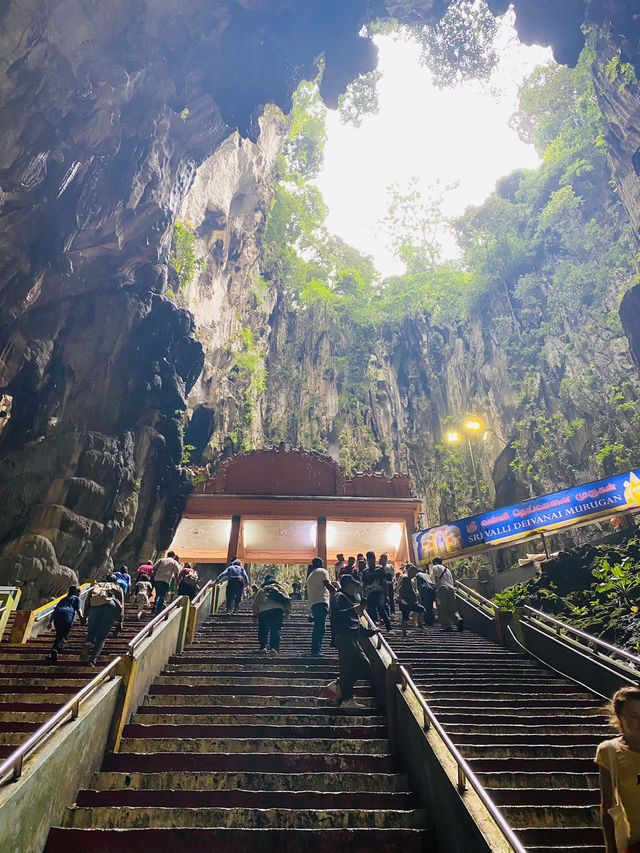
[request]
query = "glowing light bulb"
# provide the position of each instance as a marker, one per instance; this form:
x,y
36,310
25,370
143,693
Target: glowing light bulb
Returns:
x,y
453,436
473,425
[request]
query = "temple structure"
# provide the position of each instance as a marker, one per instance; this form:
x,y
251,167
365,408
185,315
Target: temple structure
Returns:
x,y
288,506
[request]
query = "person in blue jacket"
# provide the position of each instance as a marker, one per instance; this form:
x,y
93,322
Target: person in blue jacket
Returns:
x,y
237,581
62,618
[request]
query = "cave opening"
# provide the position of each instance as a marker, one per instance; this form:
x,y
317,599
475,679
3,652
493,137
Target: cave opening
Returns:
x,y
158,262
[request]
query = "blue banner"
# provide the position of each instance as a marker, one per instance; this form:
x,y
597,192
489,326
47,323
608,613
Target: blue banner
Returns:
x,y
534,516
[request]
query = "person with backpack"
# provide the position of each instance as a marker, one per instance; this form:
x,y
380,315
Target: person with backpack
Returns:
x,y
269,607
237,581
142,594
105,605
165,570
445,596
62,619
188,581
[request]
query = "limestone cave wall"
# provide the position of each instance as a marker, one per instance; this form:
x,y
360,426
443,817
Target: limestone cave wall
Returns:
x,y
109,115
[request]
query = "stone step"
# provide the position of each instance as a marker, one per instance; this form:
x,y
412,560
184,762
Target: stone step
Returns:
x,y
465,732
240,840
304,746
247,680
256,731
550,814
531,780
130,817
543,796
280,690
248,799
335,782
587,718
250,719
210,700
551,838
529,750
524,737
38,716
161,762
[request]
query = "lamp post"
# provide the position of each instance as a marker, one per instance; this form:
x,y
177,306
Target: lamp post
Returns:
x,y
472,426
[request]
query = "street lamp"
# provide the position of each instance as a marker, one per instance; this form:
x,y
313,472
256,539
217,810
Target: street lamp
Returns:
x,y
472,426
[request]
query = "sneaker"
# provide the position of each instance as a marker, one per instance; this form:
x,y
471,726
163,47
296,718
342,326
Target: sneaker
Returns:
x,y
351,703
53,656
461,624
262,652
273,652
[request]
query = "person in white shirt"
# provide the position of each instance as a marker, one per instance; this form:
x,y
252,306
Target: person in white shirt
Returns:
x,y
164,571
445,596
319,592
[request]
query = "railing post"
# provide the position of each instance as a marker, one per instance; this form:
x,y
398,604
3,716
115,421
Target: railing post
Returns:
x,y
185,605
391,677
462,780
17,770
127,670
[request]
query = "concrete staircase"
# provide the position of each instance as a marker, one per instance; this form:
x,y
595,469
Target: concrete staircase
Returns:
x,y
529,734
32,689
233,751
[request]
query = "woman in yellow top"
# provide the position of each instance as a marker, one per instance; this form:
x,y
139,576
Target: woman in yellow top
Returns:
x,y
619,763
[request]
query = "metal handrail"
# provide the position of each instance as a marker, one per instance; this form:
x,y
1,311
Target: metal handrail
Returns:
x,y
14,763
486,603
382,643
46,610
195,601
593,642
465,773
149,628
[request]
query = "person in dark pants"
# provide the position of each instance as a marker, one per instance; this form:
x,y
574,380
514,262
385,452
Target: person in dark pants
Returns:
x,y
62,618
105,605
165,570
345,613
408,600
390,576
237,581
427,593
319,592
374,582
270,606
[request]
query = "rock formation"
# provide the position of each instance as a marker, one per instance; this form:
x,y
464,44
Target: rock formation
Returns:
x,y
108,112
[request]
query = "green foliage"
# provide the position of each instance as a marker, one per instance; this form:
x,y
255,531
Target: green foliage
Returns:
x,y
183,255
616,69
360,99
462,45
250,365
547,240
187,450
593,588
304,144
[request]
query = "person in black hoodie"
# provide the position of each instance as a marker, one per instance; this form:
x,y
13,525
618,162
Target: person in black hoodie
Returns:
x,y
347,630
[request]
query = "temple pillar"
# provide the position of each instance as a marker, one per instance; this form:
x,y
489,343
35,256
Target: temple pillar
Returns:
x,y
234,538
322,539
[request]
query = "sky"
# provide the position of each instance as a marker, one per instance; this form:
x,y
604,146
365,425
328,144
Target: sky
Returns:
x,y
452,135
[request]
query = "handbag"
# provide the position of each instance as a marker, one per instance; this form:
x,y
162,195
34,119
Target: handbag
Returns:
x,y
617,812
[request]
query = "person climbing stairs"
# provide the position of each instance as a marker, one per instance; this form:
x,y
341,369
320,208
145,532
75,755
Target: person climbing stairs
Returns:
x,y
234,751
32,689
